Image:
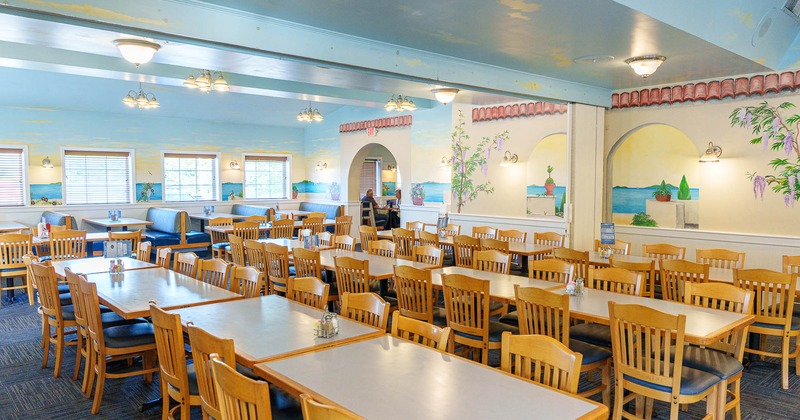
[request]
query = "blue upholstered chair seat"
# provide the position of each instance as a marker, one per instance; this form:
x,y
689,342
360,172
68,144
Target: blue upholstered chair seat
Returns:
x,y
158,238
795,325
109,319
65,298
496,331
591,353
130,335
693,382
597,334
63,288
222,245
511,318
711,361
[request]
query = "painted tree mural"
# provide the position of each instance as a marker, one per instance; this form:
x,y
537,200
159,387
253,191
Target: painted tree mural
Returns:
x,y
776,132
465,163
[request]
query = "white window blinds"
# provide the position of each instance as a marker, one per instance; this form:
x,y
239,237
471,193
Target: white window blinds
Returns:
x,y
369,176
97,177
266,177
12,177
190,177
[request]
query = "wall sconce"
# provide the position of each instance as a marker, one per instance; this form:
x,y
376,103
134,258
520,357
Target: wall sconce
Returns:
x,y
46,163
445,162
321,166
391,167
712,154
509,159
235,166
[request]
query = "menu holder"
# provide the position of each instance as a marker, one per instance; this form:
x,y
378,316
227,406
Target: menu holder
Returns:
x,y
117,249
311,242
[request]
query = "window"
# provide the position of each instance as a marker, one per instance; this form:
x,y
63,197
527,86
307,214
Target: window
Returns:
x,y
93,176
266,176
369,176
12,176
191,176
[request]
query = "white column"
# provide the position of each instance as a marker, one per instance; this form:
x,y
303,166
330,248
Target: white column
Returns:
x,y
585,192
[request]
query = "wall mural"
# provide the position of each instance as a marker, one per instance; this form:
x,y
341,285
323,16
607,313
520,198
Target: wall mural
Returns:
x,y
464,164
546,171
778,133
148,191
46,194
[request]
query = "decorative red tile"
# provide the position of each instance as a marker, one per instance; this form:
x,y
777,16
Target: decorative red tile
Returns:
x,y
726,88
688,92
787,80
666,95
625,100
634,98
677,94
742,87
771,83
713,90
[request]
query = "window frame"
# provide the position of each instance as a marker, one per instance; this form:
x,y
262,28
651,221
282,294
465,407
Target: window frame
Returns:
x,y
131,172
287,182
376,189
26,190
217,178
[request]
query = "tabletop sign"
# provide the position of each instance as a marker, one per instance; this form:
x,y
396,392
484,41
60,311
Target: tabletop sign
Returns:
x,y
607,233
311,242
116,249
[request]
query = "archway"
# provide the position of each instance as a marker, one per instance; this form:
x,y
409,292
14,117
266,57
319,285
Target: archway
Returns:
x,y
548,160
389,175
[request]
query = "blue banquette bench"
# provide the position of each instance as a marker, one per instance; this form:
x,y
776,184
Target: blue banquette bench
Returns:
x,y
331,211
246,210
59,219
172,228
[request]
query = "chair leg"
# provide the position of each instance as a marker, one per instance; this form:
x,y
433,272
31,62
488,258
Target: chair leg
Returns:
x,y
619,394
78,354
785,362
639,401
88,370
101,382
606,382
59,351
45,342
737,407
164,398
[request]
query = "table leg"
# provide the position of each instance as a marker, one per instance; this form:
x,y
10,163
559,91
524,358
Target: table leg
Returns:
x,y
524,264
124,227
10,292
108,228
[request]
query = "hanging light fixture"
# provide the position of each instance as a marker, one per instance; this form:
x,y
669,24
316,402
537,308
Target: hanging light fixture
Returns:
x,y
445,95
206,82
645,65
309,114
712,154
137,51
143,100
509,159
400,103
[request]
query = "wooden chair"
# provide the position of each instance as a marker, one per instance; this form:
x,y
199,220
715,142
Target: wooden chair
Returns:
x,y
302,233
368,216
254,255
618,247
722,258
186,263
467,304
54,318
345,242
452,229
572,256
67,245
143,251
325,238
512,235
644,367
219,240
262,220
307,264
415,226
427,254
352,276
482,232
236,250
617,280
495,244
773,303
342,225
247,281
13,247
406,240
551,270
28,259
367,233
313,223
663,251
317,215
676,273
367,308
238,396
547,313
205,344
135,236
648,270
83,345
791,264
428,238
492,261
309,291
463,248
282,229
415,296
556,240
124,343
382,248
724,358
246,230
420,331
163,256
554,364
313,410
277,272
430,228
214,272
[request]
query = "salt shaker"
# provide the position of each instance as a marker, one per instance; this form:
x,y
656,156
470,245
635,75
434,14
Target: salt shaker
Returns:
x,y
579,287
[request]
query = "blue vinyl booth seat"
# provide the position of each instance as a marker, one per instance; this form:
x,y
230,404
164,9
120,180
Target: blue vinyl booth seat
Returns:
x,y
332,211
245,210
59,219
171,228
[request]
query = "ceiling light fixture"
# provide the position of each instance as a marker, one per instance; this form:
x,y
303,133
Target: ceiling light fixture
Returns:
x,y
235,165
137,51
509,159
400,104
144,100
645,65
321,166
309,114
712,154
46,163
205,82
445,95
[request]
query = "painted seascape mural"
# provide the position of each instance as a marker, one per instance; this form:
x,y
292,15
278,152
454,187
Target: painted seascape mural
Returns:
x,y
546,194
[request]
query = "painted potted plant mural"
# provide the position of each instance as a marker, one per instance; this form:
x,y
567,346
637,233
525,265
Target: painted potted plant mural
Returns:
x,y
148,188
777,133
417,194
662,192
294,192
549,184
464,163
334,191
684,193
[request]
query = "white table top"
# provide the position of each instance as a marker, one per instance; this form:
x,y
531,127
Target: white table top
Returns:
x,y
292,243
703,325
90,237
270,327
379,267
203,216
129,296
264,227
123,221
523,249
501,286
390,378
11,226
98,265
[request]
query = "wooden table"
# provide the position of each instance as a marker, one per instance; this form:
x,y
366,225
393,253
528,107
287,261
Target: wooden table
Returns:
x,y
501,286
122,222
129,295
390,378
90,237
202,217
270,327
263,227
98,265
380,268
12,227
296,214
